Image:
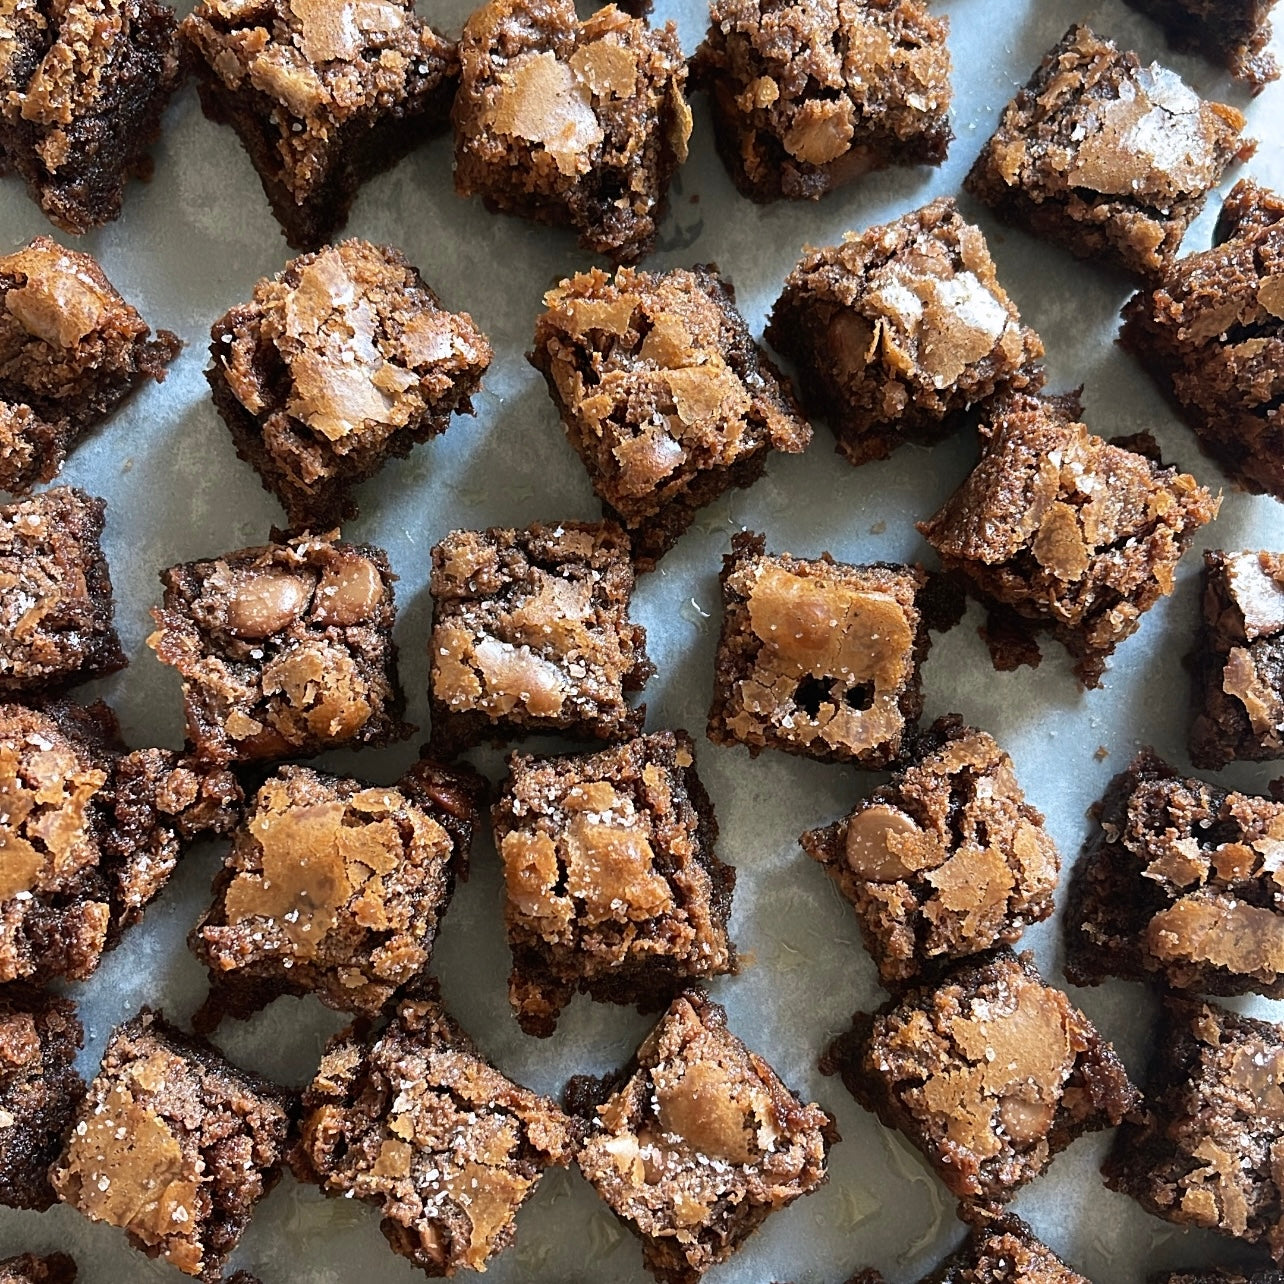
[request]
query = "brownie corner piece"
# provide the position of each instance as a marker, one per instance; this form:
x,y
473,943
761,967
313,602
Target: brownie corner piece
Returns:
x,y
1236,33
38,1268
1002,1249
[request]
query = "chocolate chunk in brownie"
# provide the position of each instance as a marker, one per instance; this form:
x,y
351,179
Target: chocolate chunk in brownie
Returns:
x,y
30,1268
696,1142
1205,1148
531,632
807,97
944,861
1211,334
664,394
71,349
1235,33
323,95
414,1120
1066,532
816,657
335,888
577,124
92,834
174,1145
990,1073
284,650
83,85
1109,158
344,360
613,887
898,330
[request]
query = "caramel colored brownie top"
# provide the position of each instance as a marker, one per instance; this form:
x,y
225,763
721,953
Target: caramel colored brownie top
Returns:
x,y
31,1268
1003,1250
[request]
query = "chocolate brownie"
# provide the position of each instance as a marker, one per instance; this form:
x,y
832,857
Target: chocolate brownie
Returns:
x,y
28,1268
1179,885
696,1142
284,650
1204,1150
990,1073
664,394
577,124
1211,334
807,97
900,329
1109,158
344,360
816,657
93,833
174,1145
1216,1275
944,861
1234,33
334,888
1060,530
612,884
323,95
71,349
413,1120
83,85
531,632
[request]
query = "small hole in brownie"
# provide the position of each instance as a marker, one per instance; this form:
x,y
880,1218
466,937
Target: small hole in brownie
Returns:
x,y
812,693
861,696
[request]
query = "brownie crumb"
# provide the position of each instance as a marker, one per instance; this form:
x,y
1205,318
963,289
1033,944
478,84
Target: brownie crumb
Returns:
x,y
33,1268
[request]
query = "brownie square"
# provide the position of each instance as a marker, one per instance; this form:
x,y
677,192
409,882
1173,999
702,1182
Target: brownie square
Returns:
x,y
93,834
1109,158
696,1142
344,360
816,657
1211,334
990,1073
335,888
83,85
174,1145
415,1121
900,329
531,633
323,95
946,860
71,349
807,97
664,395
612,884
284,650
30,1268
1204,1151
577,124
1234,33
1058,530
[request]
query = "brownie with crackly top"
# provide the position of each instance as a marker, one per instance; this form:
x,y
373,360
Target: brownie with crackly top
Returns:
x,y
415,1121
898,330
945,861
577,124
1235,33
284,650
34,1268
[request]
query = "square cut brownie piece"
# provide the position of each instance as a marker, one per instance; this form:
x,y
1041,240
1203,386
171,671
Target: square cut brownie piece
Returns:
x,y
696,1142
323,95
577,124
1211,334
817,658
807,97
531,632
900,329
344,360
612,884
56,605
92,834
83,85
71,349
335,888
174,1145
1058,529
990,1073
284,650
1181,885
413,1120
664,394
32,1268
1109,158
944,861
1235,33
1205,1148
